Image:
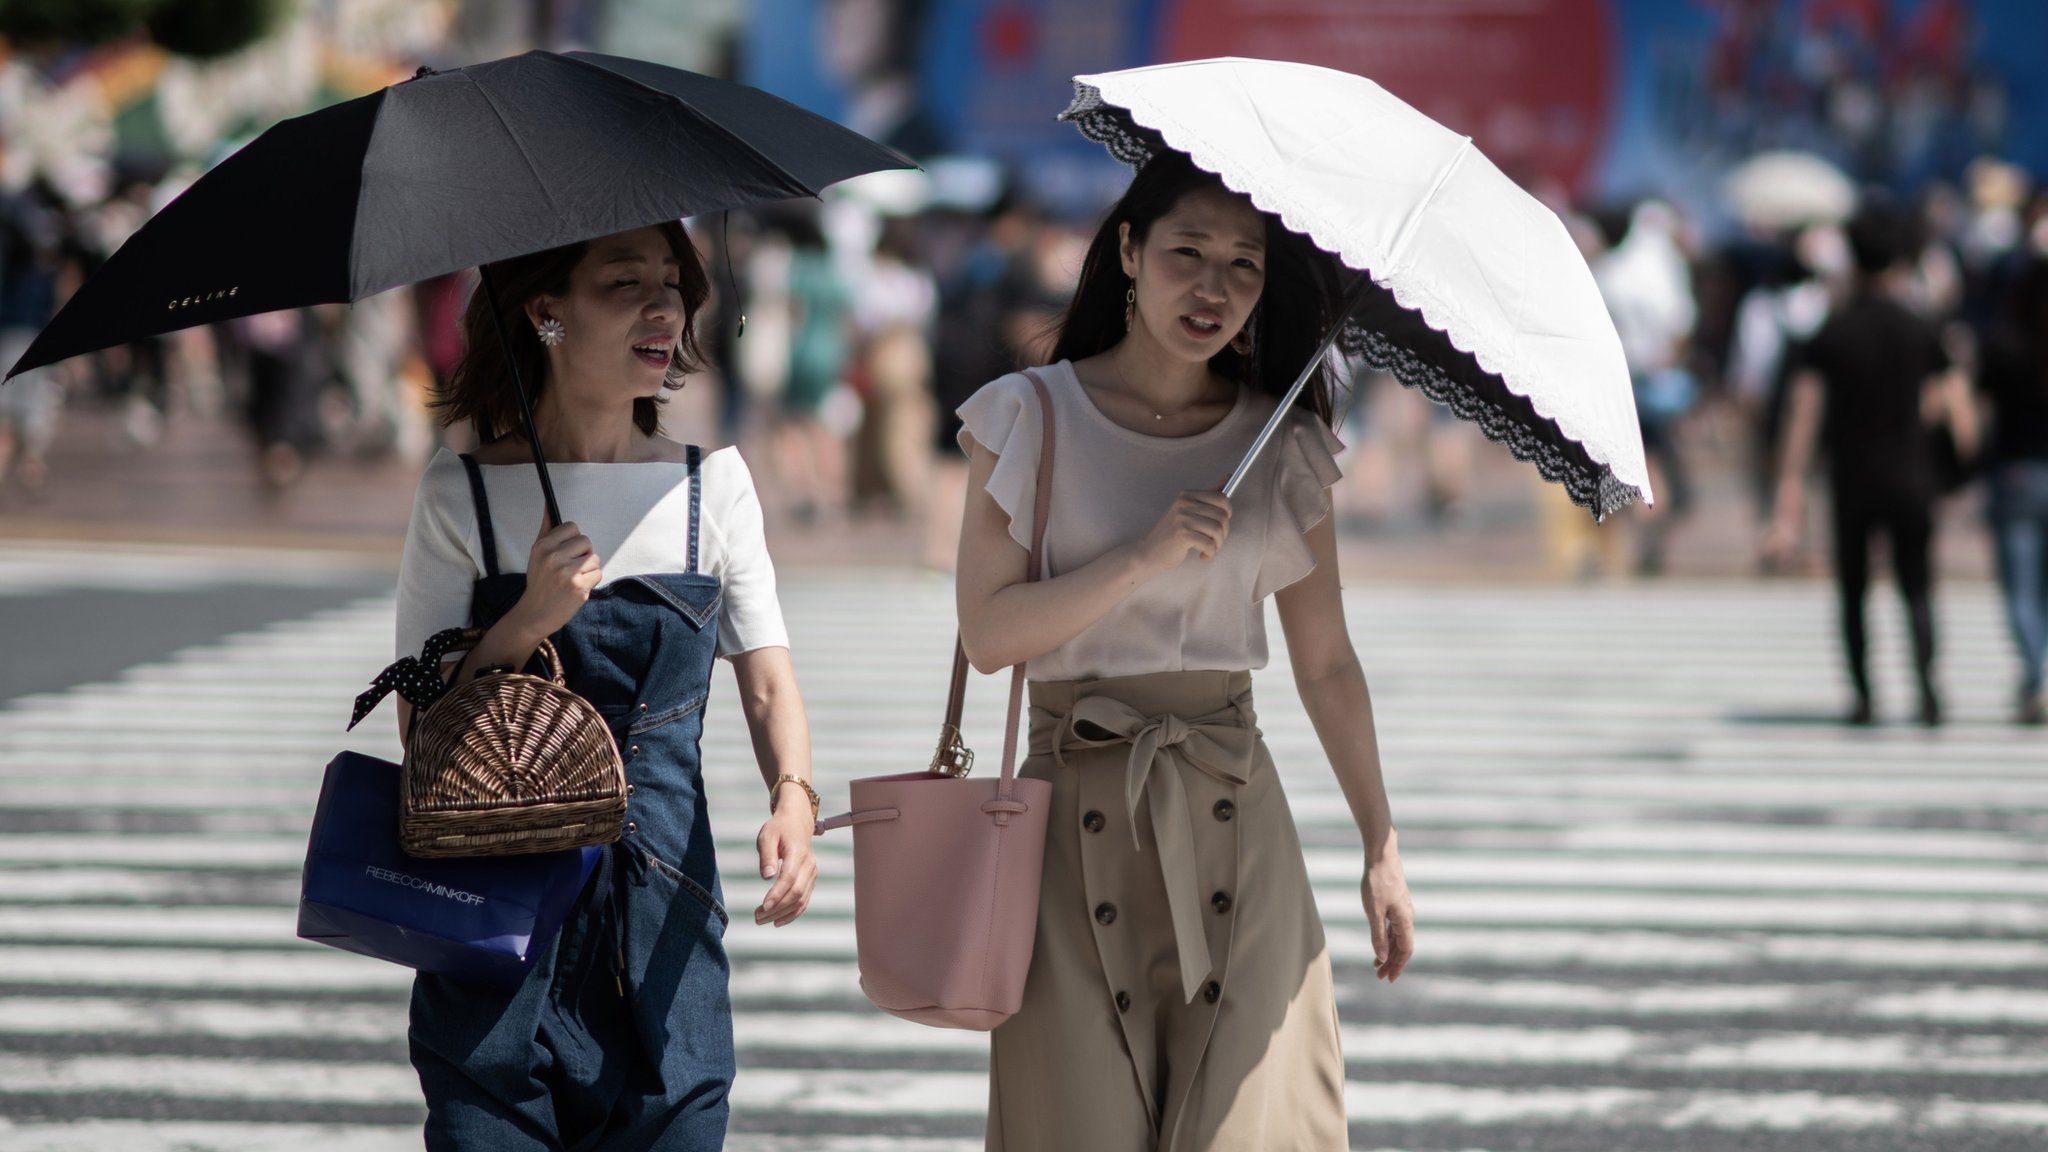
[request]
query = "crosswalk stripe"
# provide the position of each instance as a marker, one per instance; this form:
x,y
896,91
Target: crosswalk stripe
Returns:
x,y
135,1136
1339,907
863,1034
926,1093
157,1136
1643,882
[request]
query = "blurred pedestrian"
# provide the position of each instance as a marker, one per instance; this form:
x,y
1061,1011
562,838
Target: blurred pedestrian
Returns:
x,y
437,306
32,261
137,372
1870,387
1646,281
810,456
892,318
971,346
1792,298
729,249
2014,380
375,344
283,355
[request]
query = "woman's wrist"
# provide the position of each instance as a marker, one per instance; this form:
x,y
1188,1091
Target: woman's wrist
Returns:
x,y
1382,848
523,629
777,797
1139,566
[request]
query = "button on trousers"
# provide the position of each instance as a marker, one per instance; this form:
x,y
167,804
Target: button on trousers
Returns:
x,y
1129,1036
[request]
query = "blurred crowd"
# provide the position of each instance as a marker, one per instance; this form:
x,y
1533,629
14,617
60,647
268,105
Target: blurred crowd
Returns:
x,y
1897,347
868,317
1894,95
336,379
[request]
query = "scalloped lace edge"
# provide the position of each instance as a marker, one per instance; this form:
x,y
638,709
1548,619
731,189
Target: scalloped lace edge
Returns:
x,y
1601,491
1099,120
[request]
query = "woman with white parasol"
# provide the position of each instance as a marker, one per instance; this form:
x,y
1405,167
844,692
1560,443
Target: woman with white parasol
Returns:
x,y
1180,993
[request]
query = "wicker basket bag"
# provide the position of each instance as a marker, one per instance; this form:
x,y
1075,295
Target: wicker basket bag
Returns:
x,y
505,763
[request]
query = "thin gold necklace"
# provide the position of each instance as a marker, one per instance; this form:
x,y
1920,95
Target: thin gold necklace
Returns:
x,y
1126,386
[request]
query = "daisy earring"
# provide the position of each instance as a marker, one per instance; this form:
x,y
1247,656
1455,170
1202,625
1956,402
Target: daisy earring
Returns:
x,y
550,331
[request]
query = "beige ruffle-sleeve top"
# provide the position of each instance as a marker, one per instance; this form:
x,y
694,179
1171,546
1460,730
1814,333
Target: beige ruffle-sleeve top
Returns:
x,y
1111,484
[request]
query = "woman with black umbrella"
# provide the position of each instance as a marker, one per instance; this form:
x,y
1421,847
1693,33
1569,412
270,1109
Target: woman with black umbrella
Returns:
x,y
621,1035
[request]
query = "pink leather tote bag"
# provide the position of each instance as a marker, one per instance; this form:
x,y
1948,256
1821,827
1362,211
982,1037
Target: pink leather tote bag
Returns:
x,y
945,869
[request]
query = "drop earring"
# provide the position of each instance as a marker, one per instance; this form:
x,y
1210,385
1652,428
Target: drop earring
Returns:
x,y
1130,305
550,331
1246,338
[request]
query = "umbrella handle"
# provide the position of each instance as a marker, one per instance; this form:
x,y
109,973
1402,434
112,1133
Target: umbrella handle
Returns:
x,y
547,488
1359,292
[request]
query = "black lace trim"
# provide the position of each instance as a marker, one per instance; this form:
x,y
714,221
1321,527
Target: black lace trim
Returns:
x,y
1596,490
1111,126
1599,491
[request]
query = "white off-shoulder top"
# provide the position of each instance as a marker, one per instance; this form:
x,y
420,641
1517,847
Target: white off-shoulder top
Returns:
x,y
636,514
1111,484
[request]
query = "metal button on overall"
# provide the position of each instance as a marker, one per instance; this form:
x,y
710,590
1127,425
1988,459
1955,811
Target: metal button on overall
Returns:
x,y
1106,913
629,789
1092,821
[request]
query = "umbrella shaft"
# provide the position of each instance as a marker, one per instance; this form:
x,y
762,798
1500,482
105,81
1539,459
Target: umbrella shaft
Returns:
x,y
547,488
1358,294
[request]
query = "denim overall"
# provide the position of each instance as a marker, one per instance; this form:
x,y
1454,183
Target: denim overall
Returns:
x,y
621,1036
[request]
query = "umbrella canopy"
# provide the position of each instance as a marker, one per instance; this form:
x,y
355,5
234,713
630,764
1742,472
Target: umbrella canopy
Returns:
x,y
1782,190
447,171
1471,290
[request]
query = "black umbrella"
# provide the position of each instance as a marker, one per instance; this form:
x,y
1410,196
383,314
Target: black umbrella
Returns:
x,y
446,171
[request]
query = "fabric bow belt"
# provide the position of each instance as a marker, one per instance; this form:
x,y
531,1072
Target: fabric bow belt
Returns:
x,y
1220,744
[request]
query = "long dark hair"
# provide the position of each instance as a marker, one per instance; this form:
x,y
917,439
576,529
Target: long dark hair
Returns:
x,y
1300,300
480,388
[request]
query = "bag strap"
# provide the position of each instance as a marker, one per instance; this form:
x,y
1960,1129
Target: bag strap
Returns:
x,y
1040,505
949,735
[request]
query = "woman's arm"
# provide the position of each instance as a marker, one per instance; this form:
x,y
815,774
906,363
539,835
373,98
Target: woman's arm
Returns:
x,y
512,640
1006,619
561,569
782,747
1333,692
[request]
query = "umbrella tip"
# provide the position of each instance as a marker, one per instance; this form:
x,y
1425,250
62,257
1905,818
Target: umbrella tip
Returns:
x,y
424,70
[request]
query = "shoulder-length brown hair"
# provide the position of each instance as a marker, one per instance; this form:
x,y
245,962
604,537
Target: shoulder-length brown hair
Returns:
x,y
480,388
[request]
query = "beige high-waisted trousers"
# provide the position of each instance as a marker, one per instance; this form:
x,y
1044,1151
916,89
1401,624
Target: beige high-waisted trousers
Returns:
x,y
1180,994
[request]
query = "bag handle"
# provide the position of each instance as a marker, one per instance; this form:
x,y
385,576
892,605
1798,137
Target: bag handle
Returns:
x,y
420,681
954,758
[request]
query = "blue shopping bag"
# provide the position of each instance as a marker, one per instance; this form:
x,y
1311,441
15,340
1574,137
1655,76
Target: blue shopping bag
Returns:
x,y
484,918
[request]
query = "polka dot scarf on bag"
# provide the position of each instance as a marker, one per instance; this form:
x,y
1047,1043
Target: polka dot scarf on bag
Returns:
x,y
417,680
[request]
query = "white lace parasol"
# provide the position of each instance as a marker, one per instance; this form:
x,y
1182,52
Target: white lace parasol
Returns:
x,y
1481,298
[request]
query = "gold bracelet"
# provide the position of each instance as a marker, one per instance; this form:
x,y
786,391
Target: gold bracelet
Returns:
x,y
800,782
